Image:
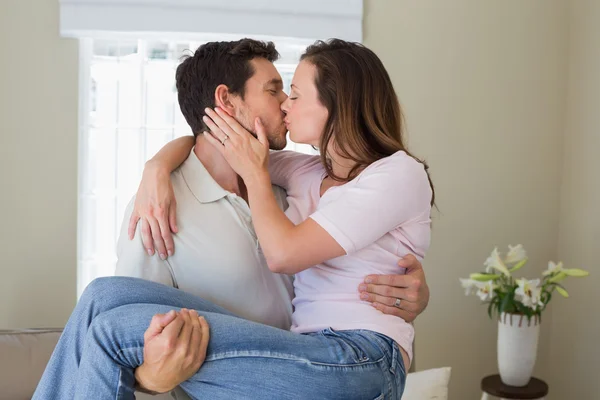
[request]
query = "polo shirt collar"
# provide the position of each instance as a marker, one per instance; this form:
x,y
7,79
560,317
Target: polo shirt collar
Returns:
x,y
199,181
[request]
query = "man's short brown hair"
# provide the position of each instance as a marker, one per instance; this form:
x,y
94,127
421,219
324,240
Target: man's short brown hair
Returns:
x,y
213,64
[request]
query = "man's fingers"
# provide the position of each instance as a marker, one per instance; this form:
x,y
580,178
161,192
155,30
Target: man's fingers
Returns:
x,y
401,281
133,221
147,237
390,301
390,291
205,337
157,237
398,312
171,331
158,323
196,338
162,320
186,331
173,219
409,261
381,279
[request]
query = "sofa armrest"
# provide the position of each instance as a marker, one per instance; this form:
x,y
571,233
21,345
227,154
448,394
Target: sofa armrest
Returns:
x,y
23,358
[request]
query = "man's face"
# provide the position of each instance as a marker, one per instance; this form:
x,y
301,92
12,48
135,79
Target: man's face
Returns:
x,y
263,97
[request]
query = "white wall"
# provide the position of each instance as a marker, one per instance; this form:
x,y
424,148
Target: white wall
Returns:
x,y
575,352
483,88
38,166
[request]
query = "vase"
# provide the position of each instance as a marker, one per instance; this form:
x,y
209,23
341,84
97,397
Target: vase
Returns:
x,y
517,348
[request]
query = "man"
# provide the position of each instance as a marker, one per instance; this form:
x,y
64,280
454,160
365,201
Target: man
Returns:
x,y
218,257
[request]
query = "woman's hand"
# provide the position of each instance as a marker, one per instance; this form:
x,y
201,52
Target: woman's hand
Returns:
x,y
248,156
155,206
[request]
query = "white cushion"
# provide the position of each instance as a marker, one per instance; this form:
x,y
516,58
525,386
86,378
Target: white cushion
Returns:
x,y
428,384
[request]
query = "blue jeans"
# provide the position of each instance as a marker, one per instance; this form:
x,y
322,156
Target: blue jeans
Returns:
x,y
103,342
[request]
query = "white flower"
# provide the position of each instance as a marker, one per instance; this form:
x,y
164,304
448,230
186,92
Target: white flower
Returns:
x,y
495,262
553,268
529,292
468,285
515,254
485,290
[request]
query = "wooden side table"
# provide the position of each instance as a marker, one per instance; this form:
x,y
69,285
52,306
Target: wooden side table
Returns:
x,y
492,385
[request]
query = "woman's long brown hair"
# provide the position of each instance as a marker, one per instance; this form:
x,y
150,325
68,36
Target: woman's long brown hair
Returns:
x,y
365,120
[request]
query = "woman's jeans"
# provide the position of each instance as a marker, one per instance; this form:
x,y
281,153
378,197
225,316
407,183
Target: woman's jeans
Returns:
x,y
103,343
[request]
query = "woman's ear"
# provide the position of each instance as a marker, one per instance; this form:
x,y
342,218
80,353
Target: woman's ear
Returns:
x,y
224,99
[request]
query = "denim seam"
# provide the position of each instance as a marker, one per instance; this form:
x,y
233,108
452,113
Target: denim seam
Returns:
x,y
119,386
383,346
279,356
258,354
121,350
357,348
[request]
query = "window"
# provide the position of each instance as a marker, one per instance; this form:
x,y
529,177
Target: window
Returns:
x,y
128,111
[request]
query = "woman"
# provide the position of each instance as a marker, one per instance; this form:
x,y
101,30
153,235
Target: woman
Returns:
x,y
344,222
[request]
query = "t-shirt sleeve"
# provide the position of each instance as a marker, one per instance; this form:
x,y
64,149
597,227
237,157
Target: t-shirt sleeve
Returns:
x,y
284,166
386,196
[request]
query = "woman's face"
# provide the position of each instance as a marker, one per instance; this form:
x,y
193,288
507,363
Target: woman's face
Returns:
x,y
305,115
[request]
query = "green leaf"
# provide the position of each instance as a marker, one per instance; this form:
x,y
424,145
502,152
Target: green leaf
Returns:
x,y
562,291
506,303
549,297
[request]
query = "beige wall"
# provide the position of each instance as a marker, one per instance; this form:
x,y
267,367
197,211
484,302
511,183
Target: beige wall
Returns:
x,y
484,87
38,166
575,321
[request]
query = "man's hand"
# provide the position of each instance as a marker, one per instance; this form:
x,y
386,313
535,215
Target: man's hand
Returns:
x,y
174,349
411,288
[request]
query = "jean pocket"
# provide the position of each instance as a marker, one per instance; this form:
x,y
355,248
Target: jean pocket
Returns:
x,y
350,350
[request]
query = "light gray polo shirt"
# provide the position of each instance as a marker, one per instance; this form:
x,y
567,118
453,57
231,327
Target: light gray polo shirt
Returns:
x,y
217,256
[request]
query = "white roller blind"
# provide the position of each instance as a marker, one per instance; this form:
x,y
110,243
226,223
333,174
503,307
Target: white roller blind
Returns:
x,y
312,19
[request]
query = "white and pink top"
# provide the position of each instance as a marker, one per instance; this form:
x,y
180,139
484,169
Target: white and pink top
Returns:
x,y
378,217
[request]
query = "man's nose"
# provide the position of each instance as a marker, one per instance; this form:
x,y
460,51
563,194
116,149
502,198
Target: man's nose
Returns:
x,y
284,107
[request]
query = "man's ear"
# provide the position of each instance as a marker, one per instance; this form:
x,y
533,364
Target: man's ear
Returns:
x,y
224,99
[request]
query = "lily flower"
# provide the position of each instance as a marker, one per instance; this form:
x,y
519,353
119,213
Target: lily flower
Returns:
x,y
485,290
515,254
495,262
529,292
553,268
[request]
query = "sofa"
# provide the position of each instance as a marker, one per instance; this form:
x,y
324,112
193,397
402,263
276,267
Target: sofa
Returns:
x,y
23,357
25,353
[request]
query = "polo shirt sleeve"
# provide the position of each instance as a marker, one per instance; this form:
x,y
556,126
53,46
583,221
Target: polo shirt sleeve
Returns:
x,y
389,195
133,259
